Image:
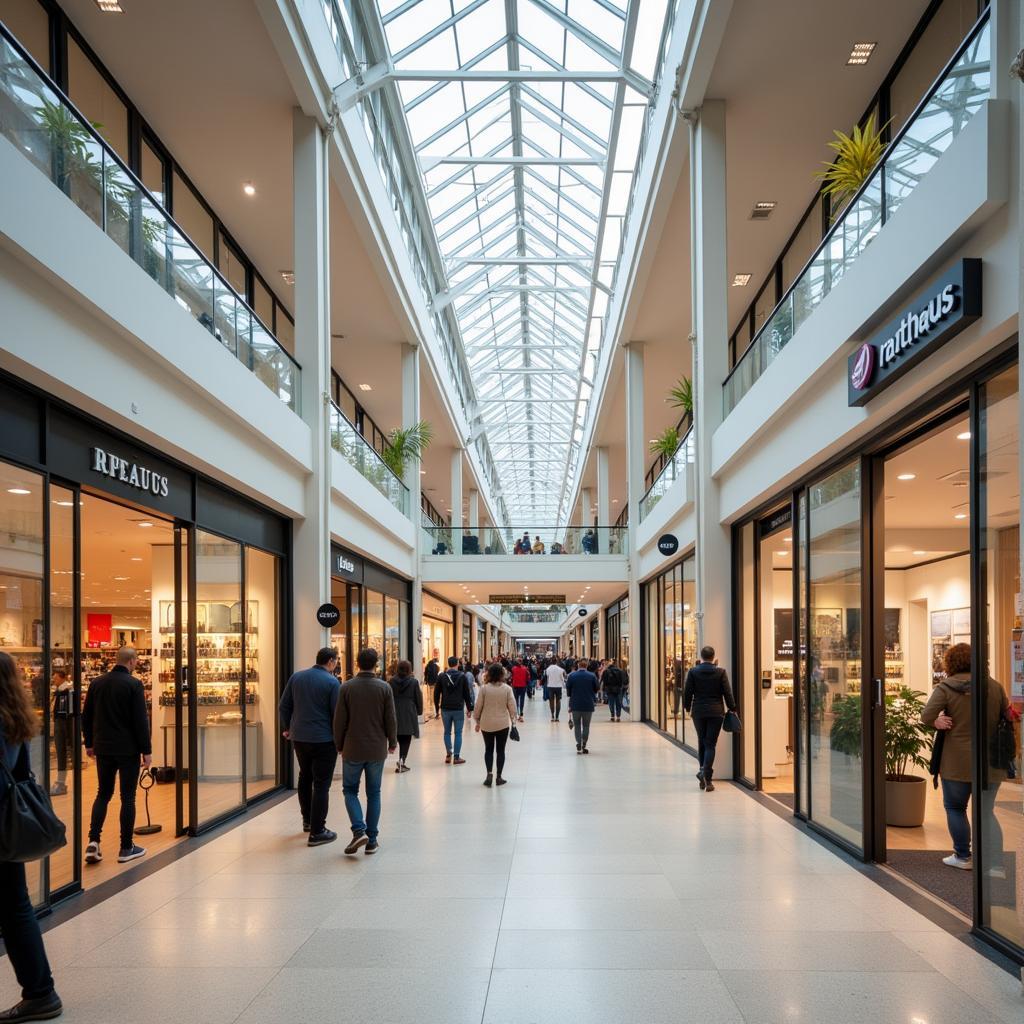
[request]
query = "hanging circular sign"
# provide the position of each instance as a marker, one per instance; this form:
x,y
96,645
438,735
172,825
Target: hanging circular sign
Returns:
x,y
328,615
668,544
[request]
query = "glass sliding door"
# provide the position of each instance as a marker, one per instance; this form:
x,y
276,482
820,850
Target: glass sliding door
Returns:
x,y
222,638
836,745
262,671
746,684
802,687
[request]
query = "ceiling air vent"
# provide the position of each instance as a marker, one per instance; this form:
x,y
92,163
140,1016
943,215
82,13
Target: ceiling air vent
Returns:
x,y
762,210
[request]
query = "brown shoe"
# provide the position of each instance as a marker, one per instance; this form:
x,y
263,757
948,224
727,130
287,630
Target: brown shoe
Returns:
x,y
459,760
448,759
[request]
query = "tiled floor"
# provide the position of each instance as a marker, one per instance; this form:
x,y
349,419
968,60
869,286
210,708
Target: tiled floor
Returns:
x,y
599,889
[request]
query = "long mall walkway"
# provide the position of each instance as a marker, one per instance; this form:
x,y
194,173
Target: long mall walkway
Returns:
x,y
592,889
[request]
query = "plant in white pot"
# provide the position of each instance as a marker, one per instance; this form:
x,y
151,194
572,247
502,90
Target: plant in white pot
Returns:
x,y
905,738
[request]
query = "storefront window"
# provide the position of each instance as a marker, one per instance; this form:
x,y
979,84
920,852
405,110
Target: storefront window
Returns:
x,y
392,635
803,691
339,635
375,626
747,682
1002,661
834,667
262,572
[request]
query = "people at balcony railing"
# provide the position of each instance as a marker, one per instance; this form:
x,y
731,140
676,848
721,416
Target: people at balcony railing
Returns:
x,y
538,546
589,543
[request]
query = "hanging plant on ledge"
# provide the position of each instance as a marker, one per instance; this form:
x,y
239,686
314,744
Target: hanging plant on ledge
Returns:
x,y
857,155
405,443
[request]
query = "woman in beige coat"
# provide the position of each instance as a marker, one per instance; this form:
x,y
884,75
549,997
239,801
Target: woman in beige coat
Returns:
x,y
494,713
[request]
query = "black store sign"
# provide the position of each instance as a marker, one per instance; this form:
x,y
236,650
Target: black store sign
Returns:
x,y
345,565
328,615
668,544
952,304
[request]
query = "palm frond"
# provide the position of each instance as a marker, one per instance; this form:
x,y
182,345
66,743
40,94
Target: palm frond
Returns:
x,y
406,443
681,396
857,155
666,443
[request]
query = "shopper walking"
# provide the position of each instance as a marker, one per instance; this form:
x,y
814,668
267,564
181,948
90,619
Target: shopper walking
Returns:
x,y
453,700
707,694
614,682
408,707
494,714
365,732
307,708
554,682
19,927
949,710
581,689
520,683
115,728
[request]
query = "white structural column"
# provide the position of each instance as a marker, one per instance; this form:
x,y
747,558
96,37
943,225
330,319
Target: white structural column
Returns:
x,y
635,481
714,618
311,539
604,512
587,498
457,499
474,510
411,415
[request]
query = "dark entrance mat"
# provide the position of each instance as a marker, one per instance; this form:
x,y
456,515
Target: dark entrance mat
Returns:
x,y
925,868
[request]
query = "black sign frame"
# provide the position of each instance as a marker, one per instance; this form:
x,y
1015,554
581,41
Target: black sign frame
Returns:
x,y
668,544
328,615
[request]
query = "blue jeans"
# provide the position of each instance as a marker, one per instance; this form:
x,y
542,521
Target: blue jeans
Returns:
x,y
520,695
351,775
615,702
955,796
448,720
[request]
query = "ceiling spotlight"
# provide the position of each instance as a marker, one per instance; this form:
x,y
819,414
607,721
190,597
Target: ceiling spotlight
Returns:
x,y
960,515
965,436
919,552
860,54
145,524
18,490
135,558
65,504
783,552
109,6
365,387
120,579
907,476
741,280
248,188
288,276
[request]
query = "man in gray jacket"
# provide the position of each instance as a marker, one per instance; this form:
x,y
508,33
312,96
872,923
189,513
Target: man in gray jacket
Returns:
x,y
365,732
307,717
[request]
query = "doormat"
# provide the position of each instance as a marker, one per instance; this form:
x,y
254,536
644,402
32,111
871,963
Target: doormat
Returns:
x,y
925,867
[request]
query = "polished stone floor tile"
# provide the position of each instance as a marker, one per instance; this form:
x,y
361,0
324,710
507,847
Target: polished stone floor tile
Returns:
x,y
607,949
344,948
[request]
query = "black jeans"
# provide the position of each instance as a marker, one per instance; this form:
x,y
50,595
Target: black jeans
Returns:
x,y
108,770
404,743
20,931
708,728
491,740
317,762
555,700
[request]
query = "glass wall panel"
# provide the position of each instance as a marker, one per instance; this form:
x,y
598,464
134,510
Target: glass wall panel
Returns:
x,y
375,626
285,329
232,266
689,653
96,100
747,683
802,248
21,605
673,697
834,637
339,635
262,572
803,707
263,302
1001,846
220,628
392,636
30,24
154,172
191,215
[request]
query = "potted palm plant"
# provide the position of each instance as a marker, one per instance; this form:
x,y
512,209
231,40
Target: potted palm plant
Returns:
x,y
905,738
666,443
404,444
857,155
681,396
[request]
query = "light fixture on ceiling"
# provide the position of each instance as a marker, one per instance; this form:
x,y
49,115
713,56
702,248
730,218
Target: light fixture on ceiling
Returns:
x,y
741,280
615,501
365,387
783,553
110,6
919,552
121,579
145,524
965,436
288,276
65,504
18,490
907,476
860,54
423,472
762,209
136,558
249,188
787,540
960,515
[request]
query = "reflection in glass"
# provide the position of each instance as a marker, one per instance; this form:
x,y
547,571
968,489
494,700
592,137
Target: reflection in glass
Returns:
x,y
747,683
375,626
261,667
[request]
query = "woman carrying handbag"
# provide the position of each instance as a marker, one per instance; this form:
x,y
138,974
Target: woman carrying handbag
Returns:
x,y
494,714
18,924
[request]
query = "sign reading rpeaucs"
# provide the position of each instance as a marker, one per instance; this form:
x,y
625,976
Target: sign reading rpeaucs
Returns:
x,y
954,304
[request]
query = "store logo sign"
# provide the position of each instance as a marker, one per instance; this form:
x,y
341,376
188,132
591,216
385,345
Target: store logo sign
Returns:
x,y
131,473
954,304
345,564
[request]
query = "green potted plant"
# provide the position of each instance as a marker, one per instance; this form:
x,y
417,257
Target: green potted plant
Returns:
x,y
681,396
905,738
666,443
405,443
857,155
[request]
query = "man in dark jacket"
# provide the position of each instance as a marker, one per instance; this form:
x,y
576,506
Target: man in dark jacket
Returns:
x,y
115,728
307,719
614,681
581,689
706,696
452,694
365,732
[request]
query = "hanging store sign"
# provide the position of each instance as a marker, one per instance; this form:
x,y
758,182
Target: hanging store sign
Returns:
x,y
668,544
328,615
953,304
526,599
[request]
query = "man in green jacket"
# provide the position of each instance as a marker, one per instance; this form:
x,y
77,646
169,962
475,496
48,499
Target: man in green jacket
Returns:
x,y
365,732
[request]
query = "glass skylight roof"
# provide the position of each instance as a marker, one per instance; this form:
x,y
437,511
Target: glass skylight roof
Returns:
x,y
527,119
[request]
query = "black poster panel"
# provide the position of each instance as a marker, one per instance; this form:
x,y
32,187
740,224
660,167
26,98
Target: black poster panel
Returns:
x,y
21,424
85,453
232,515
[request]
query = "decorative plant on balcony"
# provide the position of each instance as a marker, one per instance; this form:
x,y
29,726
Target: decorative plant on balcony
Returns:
x,y
666,443
857,155
681,396
406,443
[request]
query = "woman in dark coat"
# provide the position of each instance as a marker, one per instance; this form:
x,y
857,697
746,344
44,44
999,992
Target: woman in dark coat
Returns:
x,y
408,708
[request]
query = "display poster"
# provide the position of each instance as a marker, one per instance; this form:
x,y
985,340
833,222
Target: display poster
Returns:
x,y
1017,669
783,634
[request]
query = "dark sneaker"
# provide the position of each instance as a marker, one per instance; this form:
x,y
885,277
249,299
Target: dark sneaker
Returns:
x,y
45,1008
709,787
459,760
700,779
130,853
584,751
489,781
358,839
93,854
403,767
322,838
372,846
579,748
500,781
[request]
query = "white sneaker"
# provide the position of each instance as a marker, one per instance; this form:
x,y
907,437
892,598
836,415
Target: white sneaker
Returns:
x,y
93,854
58,789
953,861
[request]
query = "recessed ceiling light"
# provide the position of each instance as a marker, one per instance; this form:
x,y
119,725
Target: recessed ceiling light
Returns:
x,y
960,515
110,6
741,280
762,210
135,558
120,579
783,552
65,504
965,436
907,476
919,552
288,276
365,387
787,540
18,490
861,53
145,524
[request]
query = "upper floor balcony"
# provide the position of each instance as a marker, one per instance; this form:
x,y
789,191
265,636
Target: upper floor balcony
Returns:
x,y
673,468
493,542
39,120
353,447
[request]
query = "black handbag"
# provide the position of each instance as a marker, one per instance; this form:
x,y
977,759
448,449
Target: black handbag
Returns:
x,y
1002,746
513,734
935,761
732,722
29,830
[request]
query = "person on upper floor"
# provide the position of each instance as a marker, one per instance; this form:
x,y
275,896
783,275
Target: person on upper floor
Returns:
x,y
538,546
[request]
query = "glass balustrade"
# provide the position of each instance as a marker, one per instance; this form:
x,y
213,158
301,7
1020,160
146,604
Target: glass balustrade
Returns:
x,y
489,540
46,128
361,455
942,115
673,469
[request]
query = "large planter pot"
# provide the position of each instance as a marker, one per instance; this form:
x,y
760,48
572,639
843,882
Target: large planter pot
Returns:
x,y
905,797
